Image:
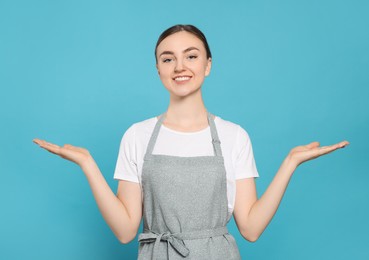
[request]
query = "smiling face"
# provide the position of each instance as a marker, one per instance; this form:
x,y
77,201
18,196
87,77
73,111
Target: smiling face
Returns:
x,y
182,63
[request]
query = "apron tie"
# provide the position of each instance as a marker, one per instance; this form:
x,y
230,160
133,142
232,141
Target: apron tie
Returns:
x,y
175,242
176,239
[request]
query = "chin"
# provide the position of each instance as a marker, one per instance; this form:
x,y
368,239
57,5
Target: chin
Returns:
x,y
183,91
183,94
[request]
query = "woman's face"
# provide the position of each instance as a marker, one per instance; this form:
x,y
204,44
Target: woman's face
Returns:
x,y
182,63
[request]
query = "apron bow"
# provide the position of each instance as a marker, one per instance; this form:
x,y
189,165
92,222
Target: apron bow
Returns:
x,y
175,242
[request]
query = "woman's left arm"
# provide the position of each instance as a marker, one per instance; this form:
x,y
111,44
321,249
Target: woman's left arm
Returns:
x,y
253,215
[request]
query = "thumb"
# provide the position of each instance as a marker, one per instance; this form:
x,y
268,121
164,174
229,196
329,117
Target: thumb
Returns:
x,y
312,145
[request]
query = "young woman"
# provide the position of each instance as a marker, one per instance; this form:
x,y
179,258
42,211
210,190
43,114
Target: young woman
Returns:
x,y
186,171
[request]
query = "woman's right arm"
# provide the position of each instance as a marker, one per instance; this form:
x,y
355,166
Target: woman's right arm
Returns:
x,y
123,211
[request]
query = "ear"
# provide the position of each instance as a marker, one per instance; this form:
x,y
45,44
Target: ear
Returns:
x,y
208,67
157,68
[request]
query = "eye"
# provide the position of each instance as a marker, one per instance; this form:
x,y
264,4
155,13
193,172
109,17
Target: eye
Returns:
x,y
167,60
192,57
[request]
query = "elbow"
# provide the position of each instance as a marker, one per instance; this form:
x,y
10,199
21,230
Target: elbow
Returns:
x,y
252,239
126,238
250,236
123,241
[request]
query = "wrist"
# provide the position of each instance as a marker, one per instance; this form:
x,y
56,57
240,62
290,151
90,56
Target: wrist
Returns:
x,y
290,164
88,164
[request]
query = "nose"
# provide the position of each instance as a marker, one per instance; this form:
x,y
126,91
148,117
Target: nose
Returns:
x,y
179,66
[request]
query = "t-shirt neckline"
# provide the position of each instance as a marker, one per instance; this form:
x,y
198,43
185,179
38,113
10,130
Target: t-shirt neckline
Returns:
x,y
185,133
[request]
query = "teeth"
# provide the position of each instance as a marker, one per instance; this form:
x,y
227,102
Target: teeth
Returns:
x,y
182,78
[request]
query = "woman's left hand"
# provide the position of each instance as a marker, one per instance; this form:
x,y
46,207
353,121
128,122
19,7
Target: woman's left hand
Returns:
x,y
304,153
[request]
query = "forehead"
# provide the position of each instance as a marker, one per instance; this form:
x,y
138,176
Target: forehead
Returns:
x,y
180,41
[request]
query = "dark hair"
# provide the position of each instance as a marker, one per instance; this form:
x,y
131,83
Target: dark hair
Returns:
x,y
187,28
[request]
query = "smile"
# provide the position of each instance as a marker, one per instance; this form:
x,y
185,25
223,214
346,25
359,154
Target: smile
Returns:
x,y
182,78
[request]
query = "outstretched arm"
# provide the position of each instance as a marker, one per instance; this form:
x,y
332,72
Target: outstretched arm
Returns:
x,y
123,211
253,215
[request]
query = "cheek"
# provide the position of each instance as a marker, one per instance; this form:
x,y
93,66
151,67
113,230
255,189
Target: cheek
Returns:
x,y
163,71
203,70
164,76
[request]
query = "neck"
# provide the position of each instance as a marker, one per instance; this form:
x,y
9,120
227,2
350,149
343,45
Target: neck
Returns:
x,y
187,113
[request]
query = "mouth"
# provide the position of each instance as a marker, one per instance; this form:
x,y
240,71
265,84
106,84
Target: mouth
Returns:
x,y
182,78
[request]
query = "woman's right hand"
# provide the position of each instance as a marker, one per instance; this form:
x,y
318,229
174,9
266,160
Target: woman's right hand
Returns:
x,y
123,211
78,155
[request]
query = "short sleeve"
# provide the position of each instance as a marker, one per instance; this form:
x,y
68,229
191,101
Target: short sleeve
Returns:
x,y
245,166
126,167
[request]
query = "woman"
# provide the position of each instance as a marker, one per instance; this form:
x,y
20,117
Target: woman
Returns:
x,y
186,171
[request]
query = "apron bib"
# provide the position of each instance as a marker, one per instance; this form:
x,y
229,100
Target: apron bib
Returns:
x,y
185,205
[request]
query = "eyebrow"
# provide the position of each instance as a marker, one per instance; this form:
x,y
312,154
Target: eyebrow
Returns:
x,y
172,53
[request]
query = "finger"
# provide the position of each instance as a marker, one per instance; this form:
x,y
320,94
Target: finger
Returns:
x,y
73,148
37,141
53,148
336,146
328,149
312,145
40,142
68,146
343,144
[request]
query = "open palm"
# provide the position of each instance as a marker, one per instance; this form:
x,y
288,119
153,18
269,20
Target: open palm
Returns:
x,y
313,150
69,152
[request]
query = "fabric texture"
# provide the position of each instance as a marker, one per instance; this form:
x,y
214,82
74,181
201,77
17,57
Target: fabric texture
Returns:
x,y
185,205
236,146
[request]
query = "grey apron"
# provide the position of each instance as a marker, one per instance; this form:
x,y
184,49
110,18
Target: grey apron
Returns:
x,y
185,205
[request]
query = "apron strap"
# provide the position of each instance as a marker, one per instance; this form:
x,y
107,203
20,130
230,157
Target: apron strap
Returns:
x,y
213,131
154,136
214,135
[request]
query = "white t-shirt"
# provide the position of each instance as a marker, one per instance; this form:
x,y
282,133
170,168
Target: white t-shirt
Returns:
x,y
235,144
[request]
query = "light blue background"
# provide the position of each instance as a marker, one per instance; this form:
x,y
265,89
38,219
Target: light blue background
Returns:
x,y
81,72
